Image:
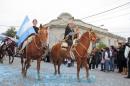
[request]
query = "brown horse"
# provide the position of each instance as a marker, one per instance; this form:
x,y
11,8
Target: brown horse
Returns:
x,y
35,50
79,51
58,54
9,49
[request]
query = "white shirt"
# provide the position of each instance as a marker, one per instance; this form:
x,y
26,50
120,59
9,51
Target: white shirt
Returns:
x,y
106,56
127,49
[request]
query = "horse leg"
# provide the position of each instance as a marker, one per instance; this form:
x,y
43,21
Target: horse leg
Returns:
x,y
78,69
55,69
59,63
38,68
86,67
54,62
9,59
22,63
1,58
25,67
12,59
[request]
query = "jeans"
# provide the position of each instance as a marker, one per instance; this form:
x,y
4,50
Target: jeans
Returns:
x,y
107,65
112,65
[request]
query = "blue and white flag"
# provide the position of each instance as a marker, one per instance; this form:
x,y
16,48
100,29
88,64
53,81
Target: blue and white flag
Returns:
x,y
25,30
25,35
25,24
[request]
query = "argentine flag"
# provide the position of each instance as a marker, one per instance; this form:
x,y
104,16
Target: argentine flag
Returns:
x,y
25,30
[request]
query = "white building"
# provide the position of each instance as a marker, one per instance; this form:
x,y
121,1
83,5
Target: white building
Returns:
x,y
57,29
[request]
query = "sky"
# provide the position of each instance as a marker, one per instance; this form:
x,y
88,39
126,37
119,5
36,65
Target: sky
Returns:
x,y
12,13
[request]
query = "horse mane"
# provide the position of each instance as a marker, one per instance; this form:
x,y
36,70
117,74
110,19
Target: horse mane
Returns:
x,y
37,39
84,35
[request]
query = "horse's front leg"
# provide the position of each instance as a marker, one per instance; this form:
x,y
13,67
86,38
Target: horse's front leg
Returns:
x,y
38,68
86,67
1,58
9,59
22,62
78,69
55,68
12,59
59,63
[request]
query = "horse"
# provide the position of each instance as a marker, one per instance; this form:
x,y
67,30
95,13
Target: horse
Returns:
x,y
34,51
9,49
58,54
79,51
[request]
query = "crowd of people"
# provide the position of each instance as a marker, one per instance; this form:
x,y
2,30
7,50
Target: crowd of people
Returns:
x,y
111,59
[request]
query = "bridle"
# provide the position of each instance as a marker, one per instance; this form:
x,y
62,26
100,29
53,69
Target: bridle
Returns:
x,y
42,42
89,38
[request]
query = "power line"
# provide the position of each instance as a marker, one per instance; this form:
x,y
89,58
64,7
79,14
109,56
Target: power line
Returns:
x,y
104,19
107,10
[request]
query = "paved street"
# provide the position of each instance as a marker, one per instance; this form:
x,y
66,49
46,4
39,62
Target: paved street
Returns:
x,y
10,75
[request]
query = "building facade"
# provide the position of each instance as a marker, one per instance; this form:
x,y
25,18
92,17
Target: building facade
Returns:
x,y
57,29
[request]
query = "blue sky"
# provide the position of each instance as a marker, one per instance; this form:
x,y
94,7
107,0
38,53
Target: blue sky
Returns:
x,y
12,12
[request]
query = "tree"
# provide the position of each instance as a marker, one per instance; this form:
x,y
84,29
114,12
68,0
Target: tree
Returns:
x,y
11,32
101,45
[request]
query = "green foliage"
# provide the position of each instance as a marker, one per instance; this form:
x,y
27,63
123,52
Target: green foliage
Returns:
x,y
11,32
101,45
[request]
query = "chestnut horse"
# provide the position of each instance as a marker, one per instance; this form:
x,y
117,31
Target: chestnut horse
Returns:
x,y
58,54
35,50
79,51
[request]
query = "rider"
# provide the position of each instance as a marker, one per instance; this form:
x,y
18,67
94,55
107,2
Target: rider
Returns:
x,y
34,22
29,39
76,35
7,41
69,37
69,34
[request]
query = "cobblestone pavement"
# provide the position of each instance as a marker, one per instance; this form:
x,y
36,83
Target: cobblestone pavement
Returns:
x,y
10,75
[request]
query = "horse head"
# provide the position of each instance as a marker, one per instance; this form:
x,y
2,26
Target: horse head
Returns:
x,y
92,35
43,35
89,35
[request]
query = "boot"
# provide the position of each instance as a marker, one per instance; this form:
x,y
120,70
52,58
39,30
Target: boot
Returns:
x,y
123,72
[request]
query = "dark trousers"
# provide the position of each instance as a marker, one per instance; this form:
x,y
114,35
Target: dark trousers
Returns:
x,y
120,66
102,66
129,68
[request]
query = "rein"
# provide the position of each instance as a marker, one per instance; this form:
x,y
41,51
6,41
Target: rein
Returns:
x,y
36,44
82,46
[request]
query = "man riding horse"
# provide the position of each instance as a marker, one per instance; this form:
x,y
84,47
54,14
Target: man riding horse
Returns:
x,y
7,46
29,39
69,34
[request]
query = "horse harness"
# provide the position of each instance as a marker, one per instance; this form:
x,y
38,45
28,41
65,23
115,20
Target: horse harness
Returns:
x,y
82,46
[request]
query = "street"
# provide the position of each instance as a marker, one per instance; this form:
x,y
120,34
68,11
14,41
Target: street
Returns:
x,y
10,75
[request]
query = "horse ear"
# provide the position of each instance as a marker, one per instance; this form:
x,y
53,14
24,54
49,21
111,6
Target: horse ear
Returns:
x,y
89,29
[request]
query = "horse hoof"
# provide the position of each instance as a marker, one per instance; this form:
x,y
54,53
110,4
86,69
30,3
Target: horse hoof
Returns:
x,y
55,74
38,79
78,80
59,75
